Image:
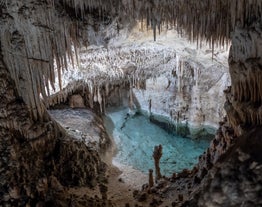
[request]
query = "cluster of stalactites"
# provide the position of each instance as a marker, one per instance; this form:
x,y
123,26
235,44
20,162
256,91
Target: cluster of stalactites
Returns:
x,y
102,70
245,95
210,20
33,33
246,98
31,40
95,94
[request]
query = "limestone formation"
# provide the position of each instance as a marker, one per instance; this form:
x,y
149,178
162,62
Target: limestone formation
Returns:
x,y
157,154
150,69
244,97
38,160
150,178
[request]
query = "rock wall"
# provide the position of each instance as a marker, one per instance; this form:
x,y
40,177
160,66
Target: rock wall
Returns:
x,y
244,97
194,97
235,179
38,159
83,125
235,153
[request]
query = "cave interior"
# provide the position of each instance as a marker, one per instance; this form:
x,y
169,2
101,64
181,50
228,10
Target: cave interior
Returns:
x,y
40,163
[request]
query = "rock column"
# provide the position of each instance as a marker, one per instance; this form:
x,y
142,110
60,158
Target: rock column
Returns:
x,y
157,156
244,98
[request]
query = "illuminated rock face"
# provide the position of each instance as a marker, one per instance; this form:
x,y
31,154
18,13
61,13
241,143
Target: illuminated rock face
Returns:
x,y
200,102
182,81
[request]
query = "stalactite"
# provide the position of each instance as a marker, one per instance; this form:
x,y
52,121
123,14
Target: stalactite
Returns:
x,y
100,100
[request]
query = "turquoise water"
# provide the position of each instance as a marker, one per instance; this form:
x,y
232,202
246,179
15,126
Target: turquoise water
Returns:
x,y
135,138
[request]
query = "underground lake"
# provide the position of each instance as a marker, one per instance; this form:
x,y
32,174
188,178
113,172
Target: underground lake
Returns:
x,y
135,138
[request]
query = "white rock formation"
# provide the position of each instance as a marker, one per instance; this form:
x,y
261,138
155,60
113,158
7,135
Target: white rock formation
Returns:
x,y
183,82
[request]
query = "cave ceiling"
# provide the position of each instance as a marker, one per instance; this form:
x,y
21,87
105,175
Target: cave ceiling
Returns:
x,y
34,40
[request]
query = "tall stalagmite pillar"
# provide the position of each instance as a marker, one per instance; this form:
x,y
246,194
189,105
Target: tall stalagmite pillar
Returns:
x,y
157,156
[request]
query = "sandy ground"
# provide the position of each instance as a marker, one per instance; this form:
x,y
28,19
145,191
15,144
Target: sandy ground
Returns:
x,y
122,182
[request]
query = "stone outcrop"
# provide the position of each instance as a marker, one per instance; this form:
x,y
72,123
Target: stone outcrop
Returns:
x,y
235,178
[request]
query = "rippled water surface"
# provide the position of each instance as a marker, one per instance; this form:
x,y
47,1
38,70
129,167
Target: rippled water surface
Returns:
x,y
136,137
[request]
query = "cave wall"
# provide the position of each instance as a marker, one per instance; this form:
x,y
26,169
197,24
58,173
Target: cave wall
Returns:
x,y
235,153
244,96
31,36
193,97
38,160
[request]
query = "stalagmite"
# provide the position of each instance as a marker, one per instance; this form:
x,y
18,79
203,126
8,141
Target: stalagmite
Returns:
x,y
178,73
99,99
150,178
131,102
157,154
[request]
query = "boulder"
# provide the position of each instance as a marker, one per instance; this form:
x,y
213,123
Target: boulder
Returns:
x,y
76,101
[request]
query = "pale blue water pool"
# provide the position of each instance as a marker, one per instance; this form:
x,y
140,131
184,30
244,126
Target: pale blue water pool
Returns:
x,y
135,141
